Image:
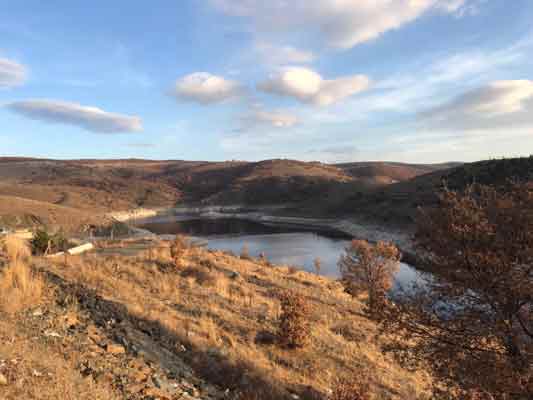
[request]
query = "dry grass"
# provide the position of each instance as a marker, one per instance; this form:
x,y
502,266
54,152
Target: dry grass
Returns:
x,y
38,370
227,317
20,286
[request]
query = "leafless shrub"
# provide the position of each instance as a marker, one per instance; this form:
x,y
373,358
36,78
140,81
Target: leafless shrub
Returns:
x,y
294,323
178,249
472,323
356,388
20,286
369,268
245,253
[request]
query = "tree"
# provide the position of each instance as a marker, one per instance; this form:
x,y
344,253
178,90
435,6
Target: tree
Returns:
x,y
472,321
294,321
369,268
178,249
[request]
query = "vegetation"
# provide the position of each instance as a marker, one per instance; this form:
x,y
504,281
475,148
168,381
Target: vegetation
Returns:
x,y
294,324
369,268
44,243
20,286
473,323
178,249
354,389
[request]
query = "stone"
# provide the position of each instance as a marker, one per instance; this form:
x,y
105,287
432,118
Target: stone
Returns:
x,y
3,380
115,349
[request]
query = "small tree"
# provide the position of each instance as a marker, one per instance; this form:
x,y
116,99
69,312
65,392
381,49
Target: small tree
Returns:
x,y
178,249
472,323
369,268
317,263
294,323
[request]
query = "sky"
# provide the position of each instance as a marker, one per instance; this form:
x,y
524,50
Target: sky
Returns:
x,y
316,80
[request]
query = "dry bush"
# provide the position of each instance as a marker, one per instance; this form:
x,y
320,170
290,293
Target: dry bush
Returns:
x,y
201,276
16,249
178,249
245,253
20,287
370,268
294,322
353,389
472,323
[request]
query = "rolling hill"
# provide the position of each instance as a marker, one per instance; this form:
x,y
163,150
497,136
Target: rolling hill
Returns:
x,y
89,187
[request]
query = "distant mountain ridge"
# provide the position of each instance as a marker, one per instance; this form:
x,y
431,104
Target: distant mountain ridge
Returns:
x,y
386,192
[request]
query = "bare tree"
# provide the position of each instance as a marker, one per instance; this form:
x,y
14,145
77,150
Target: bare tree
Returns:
x,y
370,268
472,321
178,249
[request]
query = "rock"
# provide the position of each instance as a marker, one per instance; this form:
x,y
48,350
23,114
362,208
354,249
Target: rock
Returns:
x,y
115,349
3,380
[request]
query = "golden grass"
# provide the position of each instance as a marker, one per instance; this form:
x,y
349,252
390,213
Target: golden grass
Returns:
x,y
20,287
37,370
226,312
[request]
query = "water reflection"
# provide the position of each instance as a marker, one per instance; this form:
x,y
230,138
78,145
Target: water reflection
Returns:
x,y
281,244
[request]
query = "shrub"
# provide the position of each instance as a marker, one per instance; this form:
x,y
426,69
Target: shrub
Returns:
x,y
15,249
44,243
370,268
317,263
178,249
20,287
472,323
245,253
353,389
294,323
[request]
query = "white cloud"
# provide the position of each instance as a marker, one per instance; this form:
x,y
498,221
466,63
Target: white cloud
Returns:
x,y
497,99
12,73
204,88
283,55
343,23
89,118
273,119
308,86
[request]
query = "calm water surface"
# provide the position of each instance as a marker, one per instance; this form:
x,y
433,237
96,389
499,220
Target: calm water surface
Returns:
x,y
281,244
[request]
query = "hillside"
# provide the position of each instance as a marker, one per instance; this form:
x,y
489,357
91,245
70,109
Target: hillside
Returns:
x,y
398,203
136,327
99,186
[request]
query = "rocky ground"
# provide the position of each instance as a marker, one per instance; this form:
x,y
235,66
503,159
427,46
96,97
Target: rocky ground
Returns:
x,y
140,327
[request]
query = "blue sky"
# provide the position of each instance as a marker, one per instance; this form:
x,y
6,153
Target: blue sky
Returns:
x,y
328,80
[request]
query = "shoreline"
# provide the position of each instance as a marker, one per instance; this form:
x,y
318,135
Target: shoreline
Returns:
x,y
347,226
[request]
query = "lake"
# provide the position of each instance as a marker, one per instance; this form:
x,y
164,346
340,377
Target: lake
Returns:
x,y
285,244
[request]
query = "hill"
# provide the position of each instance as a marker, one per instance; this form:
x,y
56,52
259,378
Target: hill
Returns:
x,y
112,326
99,186
398,203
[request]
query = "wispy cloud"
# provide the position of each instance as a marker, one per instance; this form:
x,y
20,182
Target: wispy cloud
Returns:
x,y
273,55
204,88
341,24
12,73
89,118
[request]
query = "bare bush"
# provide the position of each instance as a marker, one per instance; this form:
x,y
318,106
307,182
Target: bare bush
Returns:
x,y
472,323
178,249
294,323
369,268
20,287
245,253
356,388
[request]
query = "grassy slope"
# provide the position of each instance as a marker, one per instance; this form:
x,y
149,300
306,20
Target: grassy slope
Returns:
x,y
217,314
398,203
